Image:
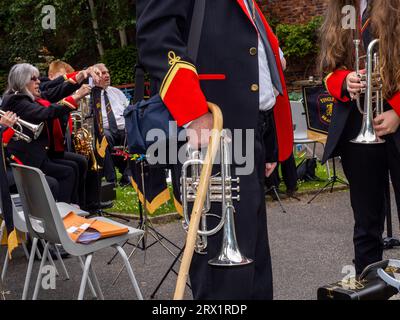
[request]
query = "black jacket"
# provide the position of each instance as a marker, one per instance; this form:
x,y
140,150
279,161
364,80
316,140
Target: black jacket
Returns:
x,y
57,89
226,51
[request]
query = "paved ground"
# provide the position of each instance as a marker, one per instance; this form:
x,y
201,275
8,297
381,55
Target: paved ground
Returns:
x,y
310,245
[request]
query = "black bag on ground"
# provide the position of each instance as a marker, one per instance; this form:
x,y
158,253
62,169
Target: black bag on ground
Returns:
x,y
306,170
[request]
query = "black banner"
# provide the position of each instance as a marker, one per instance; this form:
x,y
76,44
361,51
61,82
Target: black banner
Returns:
x,y
318,104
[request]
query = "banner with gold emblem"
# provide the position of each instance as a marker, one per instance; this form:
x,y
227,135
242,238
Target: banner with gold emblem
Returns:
x,y
318,104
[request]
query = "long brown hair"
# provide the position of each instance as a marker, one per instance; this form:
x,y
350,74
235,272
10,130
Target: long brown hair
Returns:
x,y
337,48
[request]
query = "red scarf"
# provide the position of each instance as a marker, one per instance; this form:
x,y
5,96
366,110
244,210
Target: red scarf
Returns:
x,y
58,134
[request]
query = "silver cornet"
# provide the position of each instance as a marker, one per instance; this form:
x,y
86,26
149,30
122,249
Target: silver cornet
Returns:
x,y
373,95
36,129
222,189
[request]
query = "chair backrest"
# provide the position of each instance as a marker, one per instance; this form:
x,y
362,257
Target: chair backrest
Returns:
x,y
299,120
18,214
40,210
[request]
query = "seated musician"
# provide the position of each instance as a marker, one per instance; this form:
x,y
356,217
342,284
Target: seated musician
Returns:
x,y
61,128
24,98
113,104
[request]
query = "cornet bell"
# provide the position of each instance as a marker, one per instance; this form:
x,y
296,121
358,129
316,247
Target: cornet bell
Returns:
x,y
367,134
230,254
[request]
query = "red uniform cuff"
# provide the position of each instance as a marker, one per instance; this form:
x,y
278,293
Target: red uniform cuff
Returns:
x,y
7,135
71,77
395,103
70,102
182,94
334,84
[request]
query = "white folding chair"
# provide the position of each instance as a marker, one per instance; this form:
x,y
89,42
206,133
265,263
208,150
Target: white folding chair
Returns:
x,y
301,134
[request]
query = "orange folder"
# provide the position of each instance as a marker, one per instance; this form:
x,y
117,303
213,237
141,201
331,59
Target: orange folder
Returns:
x,y
76,226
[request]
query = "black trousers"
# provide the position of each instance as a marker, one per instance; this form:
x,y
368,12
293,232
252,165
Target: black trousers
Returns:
x,y
394,169
252,281
289,175
79,164
110,161
53,184
367,170
64,175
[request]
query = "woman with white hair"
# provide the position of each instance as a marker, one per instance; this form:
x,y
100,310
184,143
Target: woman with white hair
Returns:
x,y
23,98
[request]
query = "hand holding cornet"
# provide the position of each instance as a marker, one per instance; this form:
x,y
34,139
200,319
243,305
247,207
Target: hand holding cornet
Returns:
x,y
386,123
199,131
8,119
354,84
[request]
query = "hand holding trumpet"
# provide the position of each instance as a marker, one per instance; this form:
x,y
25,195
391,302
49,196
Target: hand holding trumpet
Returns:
x,y
8,119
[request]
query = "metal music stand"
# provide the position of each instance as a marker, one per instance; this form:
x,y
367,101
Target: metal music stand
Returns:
x,y
146,225
331,182
274,189
170,269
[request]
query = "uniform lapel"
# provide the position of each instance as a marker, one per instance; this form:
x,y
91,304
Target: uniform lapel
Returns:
x,y
246,12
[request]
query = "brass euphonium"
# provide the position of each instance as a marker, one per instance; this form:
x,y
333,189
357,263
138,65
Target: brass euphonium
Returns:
x,y
36,129
82,131
203,189
373,95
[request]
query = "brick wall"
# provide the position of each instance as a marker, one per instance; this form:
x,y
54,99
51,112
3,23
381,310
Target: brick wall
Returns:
x,y
293,11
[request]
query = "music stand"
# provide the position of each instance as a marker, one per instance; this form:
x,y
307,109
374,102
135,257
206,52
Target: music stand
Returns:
x,y
278,198
331,182
146,225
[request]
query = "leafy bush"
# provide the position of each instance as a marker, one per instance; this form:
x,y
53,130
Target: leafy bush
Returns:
x,y
299,40
295,96
121,63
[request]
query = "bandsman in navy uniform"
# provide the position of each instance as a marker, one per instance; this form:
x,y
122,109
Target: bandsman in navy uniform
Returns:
x,y
365,166
238,67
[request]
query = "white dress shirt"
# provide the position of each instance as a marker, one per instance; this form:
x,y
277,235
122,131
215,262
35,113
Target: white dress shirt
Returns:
x,y
267,91
118,103
363,6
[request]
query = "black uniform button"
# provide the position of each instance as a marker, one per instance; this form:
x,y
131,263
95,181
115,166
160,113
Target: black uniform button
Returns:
x,y
253,51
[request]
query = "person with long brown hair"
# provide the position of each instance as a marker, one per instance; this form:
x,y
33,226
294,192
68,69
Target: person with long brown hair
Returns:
x,y
365,166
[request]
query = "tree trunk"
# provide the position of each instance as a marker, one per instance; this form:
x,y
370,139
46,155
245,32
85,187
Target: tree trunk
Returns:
x,y
96,28
122,36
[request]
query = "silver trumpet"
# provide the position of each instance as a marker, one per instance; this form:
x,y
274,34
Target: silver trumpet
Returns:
x,y
373,95
36,129
221,190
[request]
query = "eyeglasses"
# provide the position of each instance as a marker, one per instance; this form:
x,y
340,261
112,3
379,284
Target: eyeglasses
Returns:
x,y
34,78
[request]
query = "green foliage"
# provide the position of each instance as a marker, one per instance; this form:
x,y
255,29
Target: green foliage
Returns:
x,y
295,96
121,63
299,40
127,202
22,37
